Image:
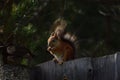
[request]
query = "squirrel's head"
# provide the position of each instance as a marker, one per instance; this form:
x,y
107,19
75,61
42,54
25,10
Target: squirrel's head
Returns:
x,y
59,34
53,40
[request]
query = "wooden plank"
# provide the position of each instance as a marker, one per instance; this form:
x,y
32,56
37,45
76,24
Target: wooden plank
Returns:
x,y
118,66
104,68
79,69
101,68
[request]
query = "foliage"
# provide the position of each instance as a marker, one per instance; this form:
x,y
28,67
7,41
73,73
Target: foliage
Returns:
x,y
95,24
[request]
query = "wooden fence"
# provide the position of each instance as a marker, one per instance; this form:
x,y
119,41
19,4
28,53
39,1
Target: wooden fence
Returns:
x,y
102,68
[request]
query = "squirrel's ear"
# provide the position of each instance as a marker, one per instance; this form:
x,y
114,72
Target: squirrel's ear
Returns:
x,y
52,34
59,34
56,36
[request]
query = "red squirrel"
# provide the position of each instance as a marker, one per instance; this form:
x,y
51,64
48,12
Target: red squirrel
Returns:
x,y
61,44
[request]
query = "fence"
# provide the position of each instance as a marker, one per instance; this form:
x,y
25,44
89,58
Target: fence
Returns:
x,y
102,68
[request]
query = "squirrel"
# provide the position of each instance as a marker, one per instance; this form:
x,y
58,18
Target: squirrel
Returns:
x,y
61,44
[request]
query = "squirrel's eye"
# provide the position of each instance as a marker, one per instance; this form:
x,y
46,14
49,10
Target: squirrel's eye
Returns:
x,y
54,40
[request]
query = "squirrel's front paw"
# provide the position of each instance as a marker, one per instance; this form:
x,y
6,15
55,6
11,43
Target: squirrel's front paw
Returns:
x,y
55,60
61,62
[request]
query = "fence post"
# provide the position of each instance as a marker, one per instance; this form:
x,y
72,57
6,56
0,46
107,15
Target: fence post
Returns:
x,y
101,68
79,69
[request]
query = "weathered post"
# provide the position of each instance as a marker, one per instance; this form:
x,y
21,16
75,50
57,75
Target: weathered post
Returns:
x,y
101,68
79,69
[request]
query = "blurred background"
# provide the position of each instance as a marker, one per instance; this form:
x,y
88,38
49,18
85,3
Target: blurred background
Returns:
x,y
95,23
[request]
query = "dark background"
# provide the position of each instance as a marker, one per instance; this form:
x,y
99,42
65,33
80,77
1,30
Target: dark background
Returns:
x,y
96,23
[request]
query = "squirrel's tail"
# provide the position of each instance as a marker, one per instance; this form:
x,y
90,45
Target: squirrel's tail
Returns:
x,y
72,40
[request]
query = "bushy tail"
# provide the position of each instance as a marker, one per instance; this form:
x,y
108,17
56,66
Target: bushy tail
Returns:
x,y
72,40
